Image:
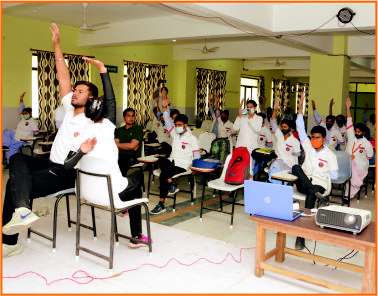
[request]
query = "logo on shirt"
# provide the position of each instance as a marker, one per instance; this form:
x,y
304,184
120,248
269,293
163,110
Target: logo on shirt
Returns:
x,y
76,134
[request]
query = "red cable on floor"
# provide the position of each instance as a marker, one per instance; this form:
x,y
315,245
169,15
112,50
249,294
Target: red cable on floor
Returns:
x,y
80,275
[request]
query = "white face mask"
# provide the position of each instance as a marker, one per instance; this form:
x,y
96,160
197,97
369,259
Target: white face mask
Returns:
x,y
26,116
179,129
251,110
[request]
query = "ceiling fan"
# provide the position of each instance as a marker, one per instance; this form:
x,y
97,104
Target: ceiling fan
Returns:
x,y
205,49
277,62
85,27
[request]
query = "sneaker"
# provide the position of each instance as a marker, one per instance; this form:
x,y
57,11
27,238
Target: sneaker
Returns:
x,y
12,250
158,209
22,219
139,241
173,190
299,243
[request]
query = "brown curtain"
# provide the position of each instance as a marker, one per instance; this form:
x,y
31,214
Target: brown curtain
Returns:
x,y
217,85
303,87
79,70
281,92
156,73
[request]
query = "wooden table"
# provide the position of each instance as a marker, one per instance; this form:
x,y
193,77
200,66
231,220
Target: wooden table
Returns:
x,y
306,227
284,177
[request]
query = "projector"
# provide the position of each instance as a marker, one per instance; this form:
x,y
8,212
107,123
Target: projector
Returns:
x,y
343,218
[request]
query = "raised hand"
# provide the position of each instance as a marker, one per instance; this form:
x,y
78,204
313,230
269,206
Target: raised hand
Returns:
x,y
165,102
276,105
88,145
55,33
348,102
313,104
301,102
332,102
97,63
22,96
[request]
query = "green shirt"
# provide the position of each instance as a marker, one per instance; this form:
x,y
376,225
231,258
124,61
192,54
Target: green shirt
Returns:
x,y
126,135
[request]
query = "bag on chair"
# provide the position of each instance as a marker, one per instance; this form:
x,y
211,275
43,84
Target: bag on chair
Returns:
x,y
219,149
238,167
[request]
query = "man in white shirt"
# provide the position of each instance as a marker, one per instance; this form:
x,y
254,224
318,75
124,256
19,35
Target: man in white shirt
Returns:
x,y
320,165
341,125
360,151
27,127
185,148
32,178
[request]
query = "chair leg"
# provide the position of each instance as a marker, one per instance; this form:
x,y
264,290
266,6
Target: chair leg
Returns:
x,y
142,179
349,185
78,221
191,181
202,196
31,207
220,201
174,202
146,210
68,211
149,183
55,219
115,228
233,206
94,222
112,234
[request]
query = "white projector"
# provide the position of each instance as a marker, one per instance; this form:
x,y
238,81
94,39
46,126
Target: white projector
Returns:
x,y
343,218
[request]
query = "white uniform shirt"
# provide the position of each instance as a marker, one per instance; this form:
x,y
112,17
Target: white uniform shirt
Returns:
x,y
26,128
360,150
156,126
287,150
184,146
59,116
265,139
249,131
334,136
224,128
342,131
68,134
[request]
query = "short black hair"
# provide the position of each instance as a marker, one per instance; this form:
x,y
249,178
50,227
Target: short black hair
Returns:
x,y
182,118
92,88
174,112
252,102
262,114
128,110
164,88
341,119
318,129
362,127
288,122
225,112
331,117
27,110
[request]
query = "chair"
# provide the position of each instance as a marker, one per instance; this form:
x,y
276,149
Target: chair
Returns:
x,y
204,140
188,173
221,186
344,175
96,190
370,178
59,195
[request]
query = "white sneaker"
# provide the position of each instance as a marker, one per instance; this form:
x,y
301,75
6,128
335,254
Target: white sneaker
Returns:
x,y
12,250
22,218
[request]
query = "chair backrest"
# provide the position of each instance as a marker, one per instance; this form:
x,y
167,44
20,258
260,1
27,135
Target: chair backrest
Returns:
x,y
225,166
344,163
205,139
206,125
92,180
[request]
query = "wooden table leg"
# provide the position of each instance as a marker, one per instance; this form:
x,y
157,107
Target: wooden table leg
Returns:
x,y
280,245
369,278
260,250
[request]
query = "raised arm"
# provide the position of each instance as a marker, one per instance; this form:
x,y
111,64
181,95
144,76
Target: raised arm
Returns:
x,y
168,122
317,116
273,121
63,74
109,96
331,103
74,157
21,105
349,126
300,122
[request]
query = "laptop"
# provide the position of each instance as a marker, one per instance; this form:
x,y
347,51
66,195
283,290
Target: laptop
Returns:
x,y
270,200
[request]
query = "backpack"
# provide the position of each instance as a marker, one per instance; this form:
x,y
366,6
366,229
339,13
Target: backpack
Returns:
x,y
238,167
219,149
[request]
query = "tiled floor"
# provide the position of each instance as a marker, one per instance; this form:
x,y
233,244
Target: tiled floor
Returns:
x,y
181,235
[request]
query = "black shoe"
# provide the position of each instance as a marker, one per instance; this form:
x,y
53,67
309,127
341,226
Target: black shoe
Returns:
x,y
299,243
158,209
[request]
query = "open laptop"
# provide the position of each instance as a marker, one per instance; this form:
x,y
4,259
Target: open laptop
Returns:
x,y
270,200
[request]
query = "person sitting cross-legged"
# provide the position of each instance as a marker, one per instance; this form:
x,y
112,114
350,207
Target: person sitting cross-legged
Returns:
x,y
320,165
185,148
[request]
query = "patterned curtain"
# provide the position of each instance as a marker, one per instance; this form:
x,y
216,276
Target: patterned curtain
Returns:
x,y
262,87
48,93
281,92
303,87
217,86
79,70
156,72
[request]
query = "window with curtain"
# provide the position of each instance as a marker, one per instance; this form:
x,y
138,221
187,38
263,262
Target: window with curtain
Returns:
x,y
281,91
210,83
140,81
45,91
249,89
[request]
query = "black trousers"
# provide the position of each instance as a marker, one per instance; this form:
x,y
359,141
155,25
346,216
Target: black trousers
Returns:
x,y
31,178
133,191
305,186
168,170
126,158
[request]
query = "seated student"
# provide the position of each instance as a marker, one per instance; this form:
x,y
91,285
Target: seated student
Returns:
x,y
128,139
156,127
320,165
35,177
369,123
334,136
286,146
98,141
27,127
360,150
185,148
340,124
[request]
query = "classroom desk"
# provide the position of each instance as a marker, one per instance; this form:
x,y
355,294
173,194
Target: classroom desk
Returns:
x,y
284,177
306,227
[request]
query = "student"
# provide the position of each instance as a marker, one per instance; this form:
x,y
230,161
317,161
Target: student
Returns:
x,y
320,165
249,126
185,148
340,124
98,141
27,127
286,146
128,139
334,136
360,150
156,125
59,116
370,124
265,139
30,177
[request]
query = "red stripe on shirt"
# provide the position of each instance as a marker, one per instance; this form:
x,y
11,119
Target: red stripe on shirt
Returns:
x,y
348,127
322,160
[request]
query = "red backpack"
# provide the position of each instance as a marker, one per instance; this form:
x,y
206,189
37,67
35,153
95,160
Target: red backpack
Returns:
x,y
238,167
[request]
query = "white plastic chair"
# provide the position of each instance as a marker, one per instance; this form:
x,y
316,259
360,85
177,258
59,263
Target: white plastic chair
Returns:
x,y
221,186
205,139
95,188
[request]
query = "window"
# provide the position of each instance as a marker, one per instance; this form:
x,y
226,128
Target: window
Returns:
x,y
362,96
249,90
298,91
125,85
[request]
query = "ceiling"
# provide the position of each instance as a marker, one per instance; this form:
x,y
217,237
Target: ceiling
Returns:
x,y
259,33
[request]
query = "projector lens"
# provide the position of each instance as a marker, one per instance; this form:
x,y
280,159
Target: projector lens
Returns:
x,y
349,219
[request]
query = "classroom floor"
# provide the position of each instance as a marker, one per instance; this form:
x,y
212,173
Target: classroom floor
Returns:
x,y
189,256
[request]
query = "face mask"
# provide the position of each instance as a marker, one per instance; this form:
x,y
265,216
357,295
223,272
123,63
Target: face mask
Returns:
x,y
316,143
285,131
179,129
359,136
329,125
251,110
26,116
